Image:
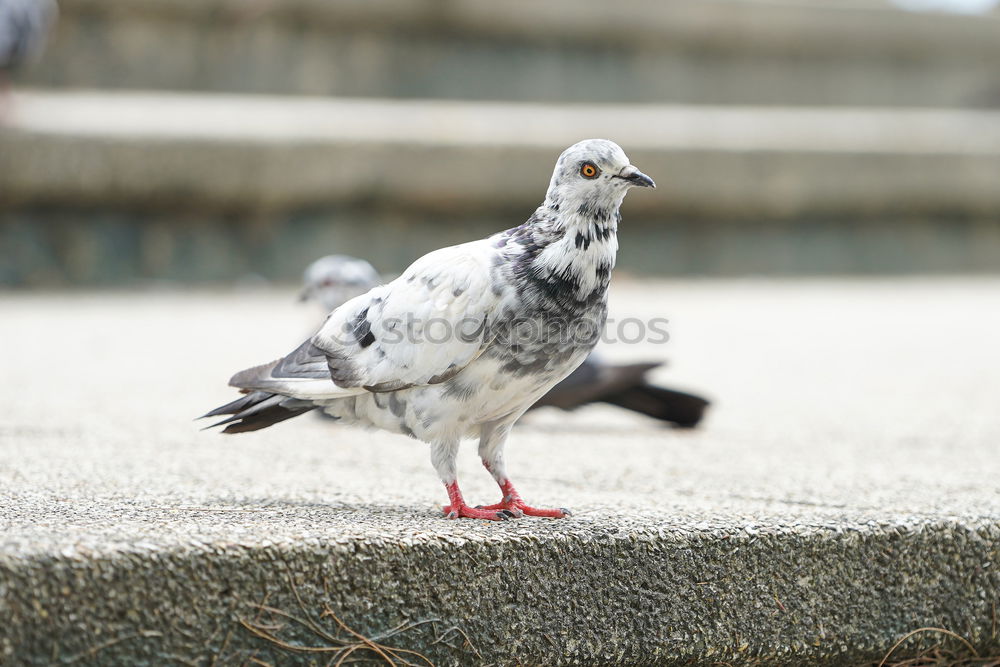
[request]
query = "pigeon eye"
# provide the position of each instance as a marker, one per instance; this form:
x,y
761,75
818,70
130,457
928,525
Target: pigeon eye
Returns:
x,y
589,170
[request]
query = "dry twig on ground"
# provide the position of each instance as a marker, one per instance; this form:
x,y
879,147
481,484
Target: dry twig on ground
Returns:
x,y
938,655
343,643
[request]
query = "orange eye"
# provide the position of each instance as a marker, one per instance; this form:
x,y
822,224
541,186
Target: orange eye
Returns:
x,y
589,170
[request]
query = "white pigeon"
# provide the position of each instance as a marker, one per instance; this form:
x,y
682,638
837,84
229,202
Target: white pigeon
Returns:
x,y
335,279
468,337
332,280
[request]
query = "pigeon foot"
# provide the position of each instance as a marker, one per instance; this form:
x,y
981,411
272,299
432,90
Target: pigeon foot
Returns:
x,y
463,511
457,509
512,503
519,508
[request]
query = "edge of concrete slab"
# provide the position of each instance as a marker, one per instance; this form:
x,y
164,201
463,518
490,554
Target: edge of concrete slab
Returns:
x,y
526,592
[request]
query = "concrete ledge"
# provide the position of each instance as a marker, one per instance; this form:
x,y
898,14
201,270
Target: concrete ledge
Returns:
x,y
258,153
718,52
841,493
594,592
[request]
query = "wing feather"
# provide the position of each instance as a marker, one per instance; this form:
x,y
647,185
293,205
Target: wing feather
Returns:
x,y
422,328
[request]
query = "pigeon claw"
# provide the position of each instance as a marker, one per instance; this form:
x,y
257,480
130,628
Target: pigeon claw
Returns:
x,y
510,510
518,508
465,512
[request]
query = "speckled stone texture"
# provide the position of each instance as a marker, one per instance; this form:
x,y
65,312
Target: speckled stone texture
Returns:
x,y
842,492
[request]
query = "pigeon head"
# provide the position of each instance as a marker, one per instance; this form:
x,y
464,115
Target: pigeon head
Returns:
x,y
594,175
335,279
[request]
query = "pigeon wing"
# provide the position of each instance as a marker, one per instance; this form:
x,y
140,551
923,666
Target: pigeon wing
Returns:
x,y
422,328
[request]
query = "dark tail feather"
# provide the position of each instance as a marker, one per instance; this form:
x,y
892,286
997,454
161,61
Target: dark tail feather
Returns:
x,y
257,410
683,410
241,403
592,381
625,386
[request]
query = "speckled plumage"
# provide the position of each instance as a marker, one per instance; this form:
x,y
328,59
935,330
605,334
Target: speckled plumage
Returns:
x,y
332,280
468,337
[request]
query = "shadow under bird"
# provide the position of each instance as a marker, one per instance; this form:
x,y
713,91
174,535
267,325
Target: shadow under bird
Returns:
x,y
442,354
335,279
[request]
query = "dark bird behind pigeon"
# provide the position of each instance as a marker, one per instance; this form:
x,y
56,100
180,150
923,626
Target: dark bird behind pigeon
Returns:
x,y
334,279
625,386
468,337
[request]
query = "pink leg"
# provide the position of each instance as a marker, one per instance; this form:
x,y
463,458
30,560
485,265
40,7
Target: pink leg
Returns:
x,y
491,444
457,509
512,502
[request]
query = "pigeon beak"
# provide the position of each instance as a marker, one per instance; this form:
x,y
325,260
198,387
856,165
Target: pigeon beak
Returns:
x,y
636,177
305,294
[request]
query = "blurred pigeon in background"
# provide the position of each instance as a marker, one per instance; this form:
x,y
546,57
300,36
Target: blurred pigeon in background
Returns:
x,y
625,385
439,354
24,26
334,279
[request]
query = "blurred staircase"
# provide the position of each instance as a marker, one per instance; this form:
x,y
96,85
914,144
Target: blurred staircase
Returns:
x,y
786,137
754,52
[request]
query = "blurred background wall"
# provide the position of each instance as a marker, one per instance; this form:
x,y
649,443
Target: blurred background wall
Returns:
x,y
212,140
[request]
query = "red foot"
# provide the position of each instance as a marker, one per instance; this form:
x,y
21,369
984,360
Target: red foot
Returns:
x,y
457,509
519,508
463,511
512,503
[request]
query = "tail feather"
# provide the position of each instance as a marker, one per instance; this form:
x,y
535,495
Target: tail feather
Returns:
x,y
592,381
257,410
683,410
626,387
235,406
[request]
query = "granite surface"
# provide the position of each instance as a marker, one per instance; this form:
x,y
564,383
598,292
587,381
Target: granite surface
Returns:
x,y
842,491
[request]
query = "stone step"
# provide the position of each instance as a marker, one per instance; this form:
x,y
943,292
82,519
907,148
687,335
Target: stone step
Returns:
x,y
255,152
841,493
271,179
680,51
